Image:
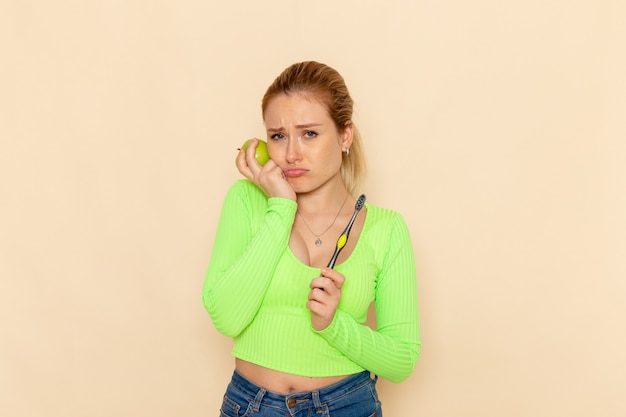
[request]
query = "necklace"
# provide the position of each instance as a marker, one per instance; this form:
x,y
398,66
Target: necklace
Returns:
x,y
318,241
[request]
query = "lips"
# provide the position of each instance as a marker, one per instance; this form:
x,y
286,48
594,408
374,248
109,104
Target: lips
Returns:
x,y
295,172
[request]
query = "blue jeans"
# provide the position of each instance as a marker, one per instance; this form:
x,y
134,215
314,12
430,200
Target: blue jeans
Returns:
x,y
354,396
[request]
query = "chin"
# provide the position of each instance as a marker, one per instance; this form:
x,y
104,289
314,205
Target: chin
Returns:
x,y
304,185
300,186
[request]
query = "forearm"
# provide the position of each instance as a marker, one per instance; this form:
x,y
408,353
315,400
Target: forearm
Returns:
x,y
243,261
391,350
385,352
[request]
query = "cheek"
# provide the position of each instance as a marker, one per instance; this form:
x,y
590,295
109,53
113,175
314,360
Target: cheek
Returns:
x,y
272,149
332,160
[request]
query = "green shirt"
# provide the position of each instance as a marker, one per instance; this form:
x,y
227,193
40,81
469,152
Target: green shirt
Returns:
x,y
256,291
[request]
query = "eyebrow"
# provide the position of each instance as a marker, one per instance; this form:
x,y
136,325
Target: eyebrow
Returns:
x,y
302,126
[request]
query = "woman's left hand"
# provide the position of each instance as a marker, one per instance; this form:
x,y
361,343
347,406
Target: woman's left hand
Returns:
x,y
324,298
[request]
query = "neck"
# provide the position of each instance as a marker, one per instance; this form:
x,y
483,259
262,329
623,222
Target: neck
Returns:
x,y
322,201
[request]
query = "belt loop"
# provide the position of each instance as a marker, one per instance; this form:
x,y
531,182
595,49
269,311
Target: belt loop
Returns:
x,y
316,400
256,403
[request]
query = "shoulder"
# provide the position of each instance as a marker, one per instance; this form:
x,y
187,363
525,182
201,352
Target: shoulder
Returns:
x,y
383,217
244,198
387,227
389,232
244,187
246,191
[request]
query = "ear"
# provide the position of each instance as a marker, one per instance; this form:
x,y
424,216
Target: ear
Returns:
x,y
347,135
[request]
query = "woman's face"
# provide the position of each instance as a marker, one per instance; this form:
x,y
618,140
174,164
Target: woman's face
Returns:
x,y
303,141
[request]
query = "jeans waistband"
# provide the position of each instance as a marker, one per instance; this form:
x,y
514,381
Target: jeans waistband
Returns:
x,y
317,397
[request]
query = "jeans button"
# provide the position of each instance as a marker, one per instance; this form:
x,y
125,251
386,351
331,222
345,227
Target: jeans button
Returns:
x,y
291,403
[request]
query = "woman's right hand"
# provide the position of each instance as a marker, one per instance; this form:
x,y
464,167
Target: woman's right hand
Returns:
x,y
268,177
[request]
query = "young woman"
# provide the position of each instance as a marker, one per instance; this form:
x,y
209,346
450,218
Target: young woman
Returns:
x,y
301,347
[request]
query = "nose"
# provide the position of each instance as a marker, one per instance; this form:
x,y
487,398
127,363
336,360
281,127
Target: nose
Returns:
x,y
293,150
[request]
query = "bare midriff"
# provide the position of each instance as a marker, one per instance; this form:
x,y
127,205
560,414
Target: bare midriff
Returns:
x,y
280,382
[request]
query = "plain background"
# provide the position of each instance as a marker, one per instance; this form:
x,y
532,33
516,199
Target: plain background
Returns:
x,y
497,128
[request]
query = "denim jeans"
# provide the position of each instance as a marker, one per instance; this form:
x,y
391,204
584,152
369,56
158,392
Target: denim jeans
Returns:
x,y
354,396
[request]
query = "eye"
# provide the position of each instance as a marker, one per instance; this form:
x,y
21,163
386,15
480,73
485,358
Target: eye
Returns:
x,y
309,134
277,136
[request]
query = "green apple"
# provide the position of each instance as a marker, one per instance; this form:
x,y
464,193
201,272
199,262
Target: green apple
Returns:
x,y
260,154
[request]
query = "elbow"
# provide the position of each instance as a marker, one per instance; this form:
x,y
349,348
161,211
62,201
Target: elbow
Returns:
x,y
404,370
226,329
222,321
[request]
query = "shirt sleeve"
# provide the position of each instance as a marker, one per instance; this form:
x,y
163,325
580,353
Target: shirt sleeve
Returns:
x,y
391,351
251,236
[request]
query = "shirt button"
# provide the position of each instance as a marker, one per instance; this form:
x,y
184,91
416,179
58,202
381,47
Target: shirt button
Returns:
x,y
291,403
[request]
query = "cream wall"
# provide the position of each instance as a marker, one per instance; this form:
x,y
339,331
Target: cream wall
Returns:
x,y
496,128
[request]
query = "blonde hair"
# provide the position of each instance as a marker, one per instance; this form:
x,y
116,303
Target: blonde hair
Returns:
x,y
329,87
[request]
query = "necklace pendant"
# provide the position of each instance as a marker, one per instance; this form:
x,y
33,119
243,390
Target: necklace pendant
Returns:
x,y
318,242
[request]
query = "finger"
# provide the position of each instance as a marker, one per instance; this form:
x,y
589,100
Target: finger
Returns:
x,y
245,163
272,171
320,295
250,167
323,283
321,303
250,156
242,164
316,307
336,277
